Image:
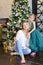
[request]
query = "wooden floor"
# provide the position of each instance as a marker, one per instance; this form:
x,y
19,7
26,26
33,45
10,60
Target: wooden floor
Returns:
x,y
7,59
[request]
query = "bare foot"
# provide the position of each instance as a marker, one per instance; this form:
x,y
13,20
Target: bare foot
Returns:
x,y
33,54
23,61
13,53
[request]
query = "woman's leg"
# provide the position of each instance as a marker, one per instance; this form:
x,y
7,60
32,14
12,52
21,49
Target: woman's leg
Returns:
x,y
26,51
20,51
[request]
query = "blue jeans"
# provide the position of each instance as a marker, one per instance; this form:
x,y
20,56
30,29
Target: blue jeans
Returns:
x,y
20,50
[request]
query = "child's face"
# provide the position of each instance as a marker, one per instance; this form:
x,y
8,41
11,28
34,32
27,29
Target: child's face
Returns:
x,y
26,26
32,18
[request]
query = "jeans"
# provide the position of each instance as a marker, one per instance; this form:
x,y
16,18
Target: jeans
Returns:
x,y
20,49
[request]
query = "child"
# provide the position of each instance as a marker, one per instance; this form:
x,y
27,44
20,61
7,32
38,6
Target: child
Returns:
x,y
36,39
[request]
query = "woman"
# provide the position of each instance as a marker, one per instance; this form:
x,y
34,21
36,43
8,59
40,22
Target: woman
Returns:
x,y
36,39
22,40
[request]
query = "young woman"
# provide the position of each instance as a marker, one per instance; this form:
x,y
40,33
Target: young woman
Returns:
x,y
36,39
22,40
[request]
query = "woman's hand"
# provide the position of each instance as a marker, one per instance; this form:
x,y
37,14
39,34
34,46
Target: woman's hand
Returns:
x,y
14,38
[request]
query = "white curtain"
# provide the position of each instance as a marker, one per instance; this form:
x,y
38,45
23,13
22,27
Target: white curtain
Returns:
x,y
30,4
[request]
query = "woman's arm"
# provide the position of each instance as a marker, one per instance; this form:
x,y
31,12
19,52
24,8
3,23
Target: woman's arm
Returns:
x,y
33,28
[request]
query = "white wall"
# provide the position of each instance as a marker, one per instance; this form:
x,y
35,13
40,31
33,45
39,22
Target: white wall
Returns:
x,y
5,8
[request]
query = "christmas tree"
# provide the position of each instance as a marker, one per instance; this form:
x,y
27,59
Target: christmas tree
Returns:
x,y
20,12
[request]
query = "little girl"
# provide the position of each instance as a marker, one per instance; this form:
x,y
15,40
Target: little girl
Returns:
x,y
36,39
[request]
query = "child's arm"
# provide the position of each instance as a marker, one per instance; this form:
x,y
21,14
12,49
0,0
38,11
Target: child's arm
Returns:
x,y
33,28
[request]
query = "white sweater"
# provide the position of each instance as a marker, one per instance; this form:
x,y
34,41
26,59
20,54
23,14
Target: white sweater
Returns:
x,y
23,39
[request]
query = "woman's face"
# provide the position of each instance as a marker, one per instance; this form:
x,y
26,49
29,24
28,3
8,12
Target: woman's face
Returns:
x,y
26,26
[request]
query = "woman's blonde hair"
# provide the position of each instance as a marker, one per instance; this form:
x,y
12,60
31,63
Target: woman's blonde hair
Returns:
x,y
24,22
